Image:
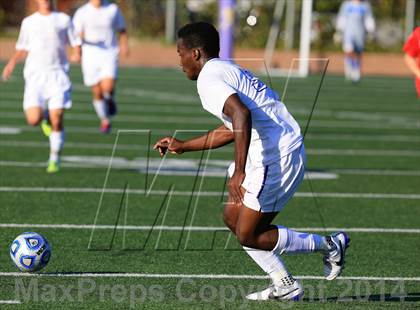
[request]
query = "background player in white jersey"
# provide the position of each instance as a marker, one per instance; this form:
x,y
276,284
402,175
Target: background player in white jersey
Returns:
x,y
42,40
269,160
98,23
354,19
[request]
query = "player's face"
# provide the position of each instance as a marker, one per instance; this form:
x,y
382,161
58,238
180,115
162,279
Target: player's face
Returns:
x,y
96,3
187,61
44,4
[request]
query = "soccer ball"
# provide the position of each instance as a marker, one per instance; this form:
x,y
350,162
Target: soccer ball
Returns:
x,y
30,252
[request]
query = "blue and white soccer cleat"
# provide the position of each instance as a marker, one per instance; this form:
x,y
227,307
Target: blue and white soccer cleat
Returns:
x,y
291,292
334,257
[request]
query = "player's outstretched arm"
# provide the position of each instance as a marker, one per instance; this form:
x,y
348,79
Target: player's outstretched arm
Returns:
x,y
213,139
8,69
123,42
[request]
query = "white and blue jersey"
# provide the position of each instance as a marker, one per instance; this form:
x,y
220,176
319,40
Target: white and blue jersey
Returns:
x,y
354,19
274,134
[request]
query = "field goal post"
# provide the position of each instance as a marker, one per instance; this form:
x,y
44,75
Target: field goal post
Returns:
x,y
304,42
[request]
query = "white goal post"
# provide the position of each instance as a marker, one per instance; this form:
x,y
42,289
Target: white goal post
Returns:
x,y
304,43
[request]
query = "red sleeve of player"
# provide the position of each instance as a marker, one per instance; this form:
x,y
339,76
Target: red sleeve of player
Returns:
x,y
412,45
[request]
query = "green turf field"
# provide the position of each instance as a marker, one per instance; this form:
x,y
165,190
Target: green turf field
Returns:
x,y
363,147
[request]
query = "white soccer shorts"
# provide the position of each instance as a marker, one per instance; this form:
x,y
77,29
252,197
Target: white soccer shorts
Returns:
x,y
269,188
353,44
48,89
98,64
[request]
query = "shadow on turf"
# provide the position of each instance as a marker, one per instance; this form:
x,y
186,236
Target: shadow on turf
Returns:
x,y
409,297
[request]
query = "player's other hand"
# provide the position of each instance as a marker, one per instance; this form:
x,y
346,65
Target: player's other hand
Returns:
x,y
235,187
7,71
124,50
170,144
75,57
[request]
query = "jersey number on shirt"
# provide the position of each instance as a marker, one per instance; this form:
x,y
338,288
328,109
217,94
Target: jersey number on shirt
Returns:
x,y
255,82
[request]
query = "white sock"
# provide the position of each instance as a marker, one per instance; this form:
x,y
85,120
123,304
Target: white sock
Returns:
x,y
101,109
348,67
291,241
56,144
272,264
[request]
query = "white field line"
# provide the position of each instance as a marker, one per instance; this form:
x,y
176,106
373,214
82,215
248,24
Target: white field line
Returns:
x,y
370,172
95,129
320,152
153,119
369,137
193,276
203,193
10,302
155,105
363,152
204,228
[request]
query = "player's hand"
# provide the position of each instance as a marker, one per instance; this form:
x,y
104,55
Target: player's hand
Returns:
x,y
235,186
75,57
7,71
124,50
170,144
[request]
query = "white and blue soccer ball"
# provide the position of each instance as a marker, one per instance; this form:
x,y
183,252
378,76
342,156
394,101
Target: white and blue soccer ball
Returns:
x,y
30,252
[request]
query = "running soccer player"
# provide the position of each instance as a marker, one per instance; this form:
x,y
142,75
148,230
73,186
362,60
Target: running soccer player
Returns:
x,y
412,56
354,19
97,23
269,160
42,40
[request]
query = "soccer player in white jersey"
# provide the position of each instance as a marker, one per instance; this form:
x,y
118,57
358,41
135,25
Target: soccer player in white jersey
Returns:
x,y
269,160
42,40
354,19
98,23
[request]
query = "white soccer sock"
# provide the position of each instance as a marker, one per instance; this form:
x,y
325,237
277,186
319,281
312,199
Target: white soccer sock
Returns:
x,y
348,67
56,144
272,264
101,109
291,241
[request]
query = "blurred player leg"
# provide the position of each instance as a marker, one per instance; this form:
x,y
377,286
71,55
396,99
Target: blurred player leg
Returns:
x,y
347,67
34,115
101,108
107,88
56,139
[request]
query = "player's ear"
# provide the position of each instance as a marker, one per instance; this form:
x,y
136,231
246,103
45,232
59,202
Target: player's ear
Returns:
x,y
196,54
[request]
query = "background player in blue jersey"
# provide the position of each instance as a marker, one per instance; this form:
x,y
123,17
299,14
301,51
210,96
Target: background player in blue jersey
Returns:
x,y
354,20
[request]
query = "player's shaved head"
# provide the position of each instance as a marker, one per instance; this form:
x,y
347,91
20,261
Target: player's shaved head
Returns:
x,y
201,35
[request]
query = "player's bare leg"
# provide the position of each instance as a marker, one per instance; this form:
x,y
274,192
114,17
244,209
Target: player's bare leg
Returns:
x,y
254,229
34,116
257,233
265,242
101,108
56,139
231,213
107,89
